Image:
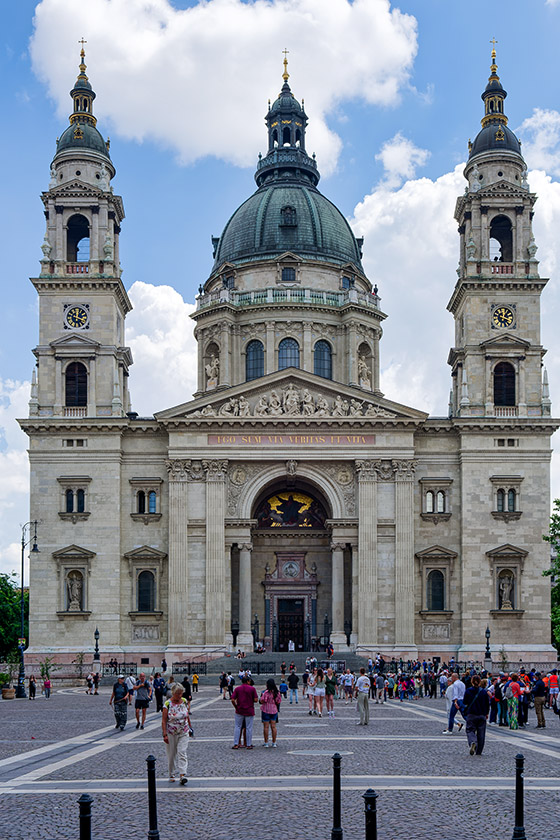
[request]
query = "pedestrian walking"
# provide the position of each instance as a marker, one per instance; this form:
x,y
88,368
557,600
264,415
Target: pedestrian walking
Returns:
x,y
160,689
96,677
320,691
187,691
243,699
330,690
348,686
176,727
163,665
143,692
501,700
512,694
130,682
270,700
89,683
304,680
293,681
379,688
119,700
539,697
32,687
457,695
476,707
311,681
47,687
195,682
362,693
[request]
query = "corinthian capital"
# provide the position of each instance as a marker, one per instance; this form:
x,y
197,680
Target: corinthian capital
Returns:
x,y
177,469
366,470
215,470
404,470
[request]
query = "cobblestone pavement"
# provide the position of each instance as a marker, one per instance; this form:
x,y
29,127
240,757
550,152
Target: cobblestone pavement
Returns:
x,y
52,751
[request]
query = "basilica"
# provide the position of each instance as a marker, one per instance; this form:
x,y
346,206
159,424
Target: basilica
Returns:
x,y
288,499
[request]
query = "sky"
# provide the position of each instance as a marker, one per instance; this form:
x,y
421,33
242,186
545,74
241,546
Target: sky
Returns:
x,y
392,90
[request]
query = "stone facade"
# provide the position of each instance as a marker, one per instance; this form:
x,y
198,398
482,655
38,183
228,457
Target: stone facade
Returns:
x,y
289,489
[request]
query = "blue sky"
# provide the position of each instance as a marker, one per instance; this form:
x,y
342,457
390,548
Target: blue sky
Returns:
x,y
393,95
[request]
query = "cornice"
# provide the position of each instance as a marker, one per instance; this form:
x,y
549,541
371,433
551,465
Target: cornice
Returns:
x,y
285,422
493,282
85,283
55,425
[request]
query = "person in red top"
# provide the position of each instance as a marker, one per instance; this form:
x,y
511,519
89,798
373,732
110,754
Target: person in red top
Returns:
x,y
243,699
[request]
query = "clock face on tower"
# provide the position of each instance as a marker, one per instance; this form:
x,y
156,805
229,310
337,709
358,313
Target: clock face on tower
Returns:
x,y
503,317
76,317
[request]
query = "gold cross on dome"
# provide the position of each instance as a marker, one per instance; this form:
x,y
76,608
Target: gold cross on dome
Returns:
x,y
82,42
493,42
285,74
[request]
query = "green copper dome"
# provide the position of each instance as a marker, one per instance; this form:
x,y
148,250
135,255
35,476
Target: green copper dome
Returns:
x,y
84,137
292,217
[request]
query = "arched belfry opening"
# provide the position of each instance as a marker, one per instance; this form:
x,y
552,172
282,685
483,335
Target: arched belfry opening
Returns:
x,y
501,239
77,241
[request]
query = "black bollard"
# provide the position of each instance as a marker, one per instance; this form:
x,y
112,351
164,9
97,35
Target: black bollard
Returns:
x,y
84,802
519,828
370,799
153,833
336,833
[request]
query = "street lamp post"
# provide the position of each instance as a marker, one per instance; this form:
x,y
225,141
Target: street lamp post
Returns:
x,y
487,652
20,690
96,668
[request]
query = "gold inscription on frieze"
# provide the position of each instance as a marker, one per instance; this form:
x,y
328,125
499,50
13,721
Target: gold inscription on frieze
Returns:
x,y
291,440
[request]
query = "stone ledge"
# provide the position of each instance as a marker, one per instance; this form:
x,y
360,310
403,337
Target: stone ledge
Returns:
x,y
506,613
436,613
435,517
62,614
74,517
146,518
506,515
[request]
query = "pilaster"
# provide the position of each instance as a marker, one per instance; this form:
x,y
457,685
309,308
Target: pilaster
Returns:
x,y
216,472
178,552
367,553
404,552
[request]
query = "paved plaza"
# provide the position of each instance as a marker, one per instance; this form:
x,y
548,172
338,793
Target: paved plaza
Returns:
x,y
52,751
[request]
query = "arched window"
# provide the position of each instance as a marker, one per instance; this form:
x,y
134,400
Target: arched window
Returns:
x,y
286,139
288,353
77,241
69,501
275,137
501,501
440,500
511,501
430,501
76,384
254,360
80,500
152,501
141,501
436,590
322,360
504,384
501,239
298,136
146,592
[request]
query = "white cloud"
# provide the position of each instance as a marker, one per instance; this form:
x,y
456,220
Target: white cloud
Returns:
x,y
540,134
400,159
160,334
218,63
14,469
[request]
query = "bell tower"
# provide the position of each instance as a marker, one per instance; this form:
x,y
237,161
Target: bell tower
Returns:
x,y
497,358
82,363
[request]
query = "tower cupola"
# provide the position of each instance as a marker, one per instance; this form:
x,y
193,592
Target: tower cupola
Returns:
x,y
286,157
495,136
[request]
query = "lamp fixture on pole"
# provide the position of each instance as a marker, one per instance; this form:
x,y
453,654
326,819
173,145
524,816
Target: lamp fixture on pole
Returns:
x,y
32,526
96,657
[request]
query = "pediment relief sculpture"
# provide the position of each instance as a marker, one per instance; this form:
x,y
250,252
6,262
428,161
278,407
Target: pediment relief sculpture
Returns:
x,y
292,401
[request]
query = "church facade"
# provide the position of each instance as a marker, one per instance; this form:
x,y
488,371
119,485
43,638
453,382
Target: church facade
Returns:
x,y
289,499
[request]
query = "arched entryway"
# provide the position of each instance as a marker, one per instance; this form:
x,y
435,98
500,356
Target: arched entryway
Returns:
x,y
293,571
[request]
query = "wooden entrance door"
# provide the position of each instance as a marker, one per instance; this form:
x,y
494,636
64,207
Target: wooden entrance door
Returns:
x,y
290,622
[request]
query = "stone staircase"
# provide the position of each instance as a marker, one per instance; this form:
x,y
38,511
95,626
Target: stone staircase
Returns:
x,y
233,664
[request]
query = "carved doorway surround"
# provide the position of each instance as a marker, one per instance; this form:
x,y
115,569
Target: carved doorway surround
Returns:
x,y
290,581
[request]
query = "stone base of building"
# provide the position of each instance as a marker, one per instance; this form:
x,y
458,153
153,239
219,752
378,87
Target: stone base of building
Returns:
x,y
388,652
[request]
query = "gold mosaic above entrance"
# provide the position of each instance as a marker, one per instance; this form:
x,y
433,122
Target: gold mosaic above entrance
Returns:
x,y
291,510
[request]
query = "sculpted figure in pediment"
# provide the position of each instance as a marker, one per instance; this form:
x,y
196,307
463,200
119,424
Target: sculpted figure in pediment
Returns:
x,y
355,408
261,408
244,409
322,409
275,406
208,411
291,400
308,404
340,408
230,408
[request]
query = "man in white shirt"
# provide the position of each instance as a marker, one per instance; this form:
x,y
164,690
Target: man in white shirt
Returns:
x,y
457,694
362,693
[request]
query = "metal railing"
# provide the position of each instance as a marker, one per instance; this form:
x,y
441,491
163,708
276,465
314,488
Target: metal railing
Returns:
x,y
297,295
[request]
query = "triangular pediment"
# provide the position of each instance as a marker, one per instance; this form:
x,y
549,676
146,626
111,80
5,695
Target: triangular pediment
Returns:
x,y
75,341
291,394
506,550
73,552
502,188
145,552
76,188
505,341
288,256
436,551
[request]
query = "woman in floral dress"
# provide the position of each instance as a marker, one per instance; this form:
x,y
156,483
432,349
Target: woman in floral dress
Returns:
x,y
175,725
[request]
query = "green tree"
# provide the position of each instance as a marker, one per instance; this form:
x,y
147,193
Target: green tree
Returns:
x,y
10,614
553,537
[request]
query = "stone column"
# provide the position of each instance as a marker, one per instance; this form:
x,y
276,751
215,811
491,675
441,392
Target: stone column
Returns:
x,y
57,408
92,390
215,550
94,249
375,364
521,397
338,637
225,356
270,360
489,384
245,638
352,355
367,554
404,553
307,350
177,632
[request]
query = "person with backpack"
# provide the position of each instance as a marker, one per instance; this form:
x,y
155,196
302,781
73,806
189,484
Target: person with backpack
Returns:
x,y
119,700
476,704
160,689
